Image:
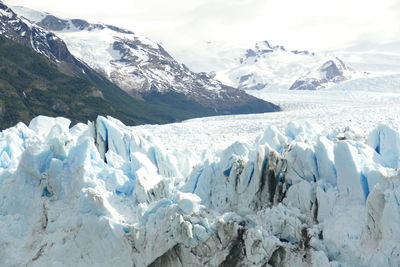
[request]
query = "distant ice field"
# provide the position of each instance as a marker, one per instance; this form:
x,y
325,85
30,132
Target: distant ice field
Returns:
x,y
360,104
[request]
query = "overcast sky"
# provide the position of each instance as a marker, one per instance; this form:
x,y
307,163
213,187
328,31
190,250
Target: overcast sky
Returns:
x,y
306,24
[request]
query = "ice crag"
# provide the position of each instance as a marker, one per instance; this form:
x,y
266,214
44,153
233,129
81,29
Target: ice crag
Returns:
x,y
104,194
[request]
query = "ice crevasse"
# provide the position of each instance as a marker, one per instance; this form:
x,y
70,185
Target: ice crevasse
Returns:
x,y
103,194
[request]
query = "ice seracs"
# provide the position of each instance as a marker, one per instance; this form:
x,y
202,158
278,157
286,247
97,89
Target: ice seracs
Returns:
x,y
103,193
386,142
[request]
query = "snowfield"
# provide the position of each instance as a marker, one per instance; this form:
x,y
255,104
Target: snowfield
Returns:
x,y
315,185
359,105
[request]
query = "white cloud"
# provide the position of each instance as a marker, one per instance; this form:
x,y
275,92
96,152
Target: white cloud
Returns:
x,y
311,24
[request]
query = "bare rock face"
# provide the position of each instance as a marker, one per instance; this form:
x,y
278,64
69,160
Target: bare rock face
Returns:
x,y
44,42
307,84
334,70
53,23
2,109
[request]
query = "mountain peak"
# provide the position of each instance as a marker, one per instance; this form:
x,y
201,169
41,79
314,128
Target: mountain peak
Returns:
x,y
270,66
44,42
263,45
332,71
33,16
303,52
56,24
261,49
139,66
266,47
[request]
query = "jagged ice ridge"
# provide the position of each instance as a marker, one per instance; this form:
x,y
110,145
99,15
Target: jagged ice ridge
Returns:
x,y
102,194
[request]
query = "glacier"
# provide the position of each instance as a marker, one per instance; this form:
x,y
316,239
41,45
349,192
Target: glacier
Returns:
x,y
103,194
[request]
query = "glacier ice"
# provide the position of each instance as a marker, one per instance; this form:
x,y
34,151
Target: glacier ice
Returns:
x,y
386,142
102,194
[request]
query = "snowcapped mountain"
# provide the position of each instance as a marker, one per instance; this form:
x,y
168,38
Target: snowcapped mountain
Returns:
x,y
331,72
83,86
43,42
269,66
142,67
40,76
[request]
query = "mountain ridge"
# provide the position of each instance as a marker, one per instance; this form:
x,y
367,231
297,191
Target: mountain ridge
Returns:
x,y
151,108
144,68
269,66
263,66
